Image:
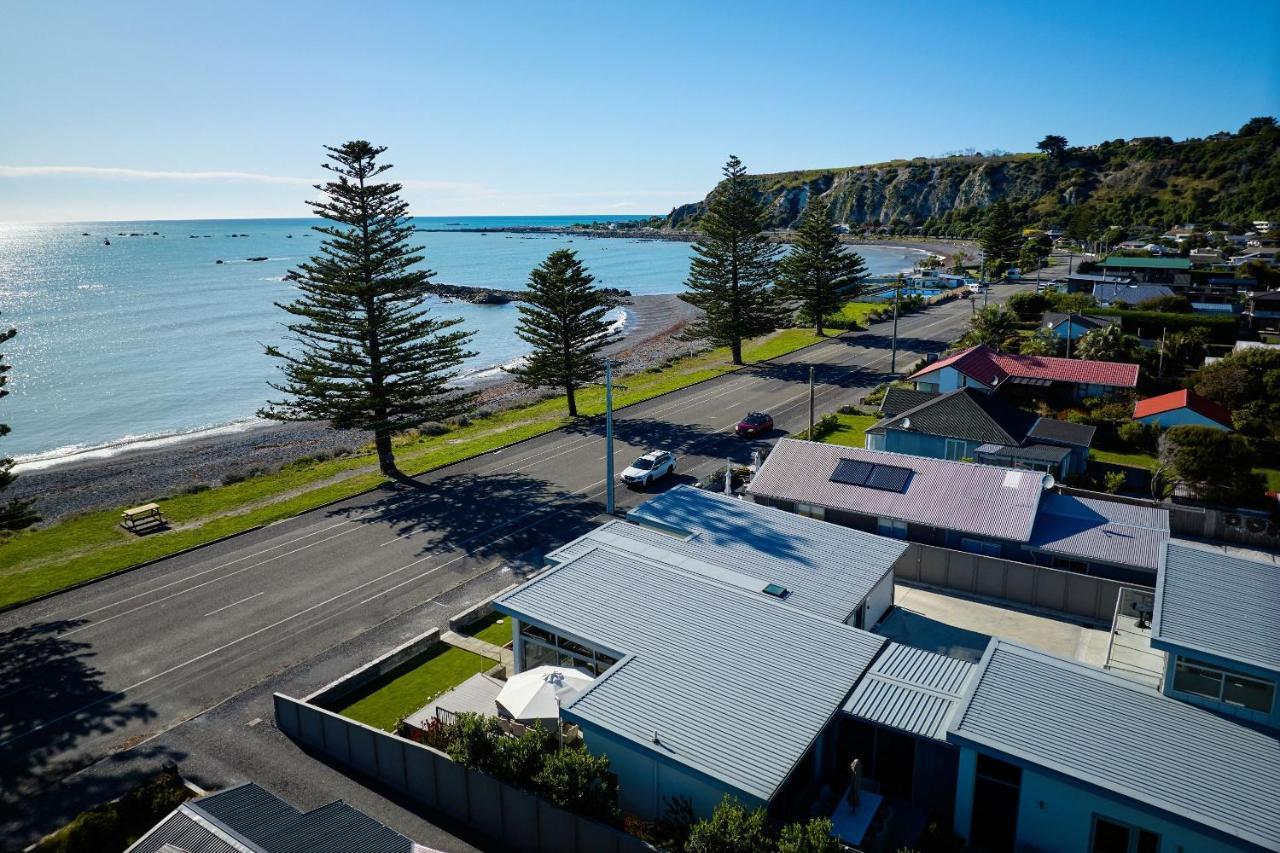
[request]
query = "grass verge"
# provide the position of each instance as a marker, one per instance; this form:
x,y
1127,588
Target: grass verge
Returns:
x,y
401,692
37,562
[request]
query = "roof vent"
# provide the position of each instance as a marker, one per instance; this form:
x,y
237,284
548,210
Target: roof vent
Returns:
x,y
776,590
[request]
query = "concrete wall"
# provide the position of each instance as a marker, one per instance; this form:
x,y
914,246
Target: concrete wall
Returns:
x,y
1086,597
1054,814
646,780
334,694
515,819
879,600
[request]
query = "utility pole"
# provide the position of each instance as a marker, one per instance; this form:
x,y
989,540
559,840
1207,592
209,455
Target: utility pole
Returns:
x,y
893,353
608,434
811,403
1162,335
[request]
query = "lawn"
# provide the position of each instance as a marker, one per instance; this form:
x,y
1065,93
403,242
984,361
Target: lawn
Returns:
x,y
44,560
850,430
494,628
852,312
1149,462
398,694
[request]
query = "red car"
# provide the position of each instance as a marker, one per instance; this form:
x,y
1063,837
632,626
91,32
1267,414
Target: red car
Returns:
x,y
755,423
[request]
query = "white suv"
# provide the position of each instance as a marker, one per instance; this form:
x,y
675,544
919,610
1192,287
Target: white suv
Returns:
x,y
654,465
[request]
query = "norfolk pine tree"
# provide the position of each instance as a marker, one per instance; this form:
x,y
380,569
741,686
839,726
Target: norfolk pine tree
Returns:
x,y
369,354
817,273
1001,239
17,513
562,318
733,266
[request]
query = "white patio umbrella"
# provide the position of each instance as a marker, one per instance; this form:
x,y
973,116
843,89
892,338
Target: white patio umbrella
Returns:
x,y
538,693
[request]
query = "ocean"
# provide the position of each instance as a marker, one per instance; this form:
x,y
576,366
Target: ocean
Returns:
x,y
150,339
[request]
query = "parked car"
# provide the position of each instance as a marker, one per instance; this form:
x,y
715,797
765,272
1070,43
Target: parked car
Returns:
x,y
654,465
755,423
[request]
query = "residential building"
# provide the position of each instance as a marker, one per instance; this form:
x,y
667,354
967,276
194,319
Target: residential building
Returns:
x,y
971,424
1263,310
963,506
1084,282
249,819
982,368
1075,326
1107,295
1217,621
726,625
1176,271
1181,408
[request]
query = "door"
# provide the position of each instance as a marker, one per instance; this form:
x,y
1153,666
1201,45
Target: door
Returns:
x,y
996,790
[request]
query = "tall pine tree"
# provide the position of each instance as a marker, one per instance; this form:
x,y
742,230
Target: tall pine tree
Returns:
x,y
817,273
733,267
562,318
1001,239
17,513
368,355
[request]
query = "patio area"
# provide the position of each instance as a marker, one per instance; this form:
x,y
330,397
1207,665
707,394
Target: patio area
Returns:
x,y
1130,653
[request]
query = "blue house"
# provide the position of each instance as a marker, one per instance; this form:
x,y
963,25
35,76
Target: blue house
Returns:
x,y
1074,326
1217,618
1181,408
971,424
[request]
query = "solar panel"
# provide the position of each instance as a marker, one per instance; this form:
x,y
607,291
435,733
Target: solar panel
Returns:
x,y
890,478
852,472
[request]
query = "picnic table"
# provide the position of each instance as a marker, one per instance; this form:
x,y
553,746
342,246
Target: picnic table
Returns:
x,y
147,515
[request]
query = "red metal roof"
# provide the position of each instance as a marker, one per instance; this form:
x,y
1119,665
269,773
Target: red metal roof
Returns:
x,y
992,368
1184,399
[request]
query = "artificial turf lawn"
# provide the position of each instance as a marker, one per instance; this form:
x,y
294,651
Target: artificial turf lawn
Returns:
x,y
494,628
44,560
394,696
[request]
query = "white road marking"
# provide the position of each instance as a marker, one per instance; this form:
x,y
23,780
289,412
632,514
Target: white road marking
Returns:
x,y
234,603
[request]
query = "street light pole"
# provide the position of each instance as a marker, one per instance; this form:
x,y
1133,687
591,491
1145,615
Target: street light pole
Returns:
x,y
608,434
893,353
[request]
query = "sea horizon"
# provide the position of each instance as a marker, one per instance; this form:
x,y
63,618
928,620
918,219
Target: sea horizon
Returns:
x,y
158,337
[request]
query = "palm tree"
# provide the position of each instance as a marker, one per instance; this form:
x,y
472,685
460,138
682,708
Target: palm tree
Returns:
x,y
993,327
1107,344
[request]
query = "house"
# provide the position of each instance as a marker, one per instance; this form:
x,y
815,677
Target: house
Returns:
x,y
1217,622
968,424
1084,282
727,630
1056,754
1181,408
1107,295
1075,326
963,506
982,368
249,819
1263,310
1149,270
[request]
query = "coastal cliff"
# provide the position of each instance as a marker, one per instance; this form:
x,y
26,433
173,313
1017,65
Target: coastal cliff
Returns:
x,y
1149,181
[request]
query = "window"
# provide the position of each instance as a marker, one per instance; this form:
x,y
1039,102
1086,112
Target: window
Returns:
x,y
956,449
1079,566
1222,685
891,527
1111,836
811,511
931,387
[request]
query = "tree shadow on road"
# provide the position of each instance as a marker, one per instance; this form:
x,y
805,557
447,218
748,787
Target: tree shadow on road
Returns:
x,y
52,699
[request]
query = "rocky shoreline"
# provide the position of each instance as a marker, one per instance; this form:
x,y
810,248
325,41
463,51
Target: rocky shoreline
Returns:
x,y
145,473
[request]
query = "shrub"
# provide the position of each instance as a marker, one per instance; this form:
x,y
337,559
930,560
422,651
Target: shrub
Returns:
x,y
730,829
472,740
114,826
1217,466
575,779
1113,481
1166,304
1028,306
813,836
1136,436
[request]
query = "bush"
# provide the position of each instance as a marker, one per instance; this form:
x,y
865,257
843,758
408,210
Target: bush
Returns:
x,y
114,826
1166,304
1113,481
730,829
1248,384
811,837
433,428
574,779
1028,306
1137,436
1216,466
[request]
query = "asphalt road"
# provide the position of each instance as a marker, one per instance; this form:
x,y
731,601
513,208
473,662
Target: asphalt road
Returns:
x,y
120,668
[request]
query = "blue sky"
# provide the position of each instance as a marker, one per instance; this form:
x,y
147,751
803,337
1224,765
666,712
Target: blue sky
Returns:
x,y
173,110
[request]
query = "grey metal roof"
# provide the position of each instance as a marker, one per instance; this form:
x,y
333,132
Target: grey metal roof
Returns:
x,y
1062,432
1220,604
966,413
250,818
735,684
980,499
1131,293
1099,529
898,400
828,569
1085,322
911,690
1127,739
1050,453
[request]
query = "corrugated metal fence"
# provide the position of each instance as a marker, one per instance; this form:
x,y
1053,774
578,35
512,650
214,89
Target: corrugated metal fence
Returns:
x,y
1079,596
517,819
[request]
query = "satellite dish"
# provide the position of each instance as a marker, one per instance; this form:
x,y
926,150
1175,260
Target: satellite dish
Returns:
x,y
1047,482
906,423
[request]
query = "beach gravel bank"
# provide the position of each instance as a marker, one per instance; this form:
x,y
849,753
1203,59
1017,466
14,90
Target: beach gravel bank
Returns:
x,y
145,473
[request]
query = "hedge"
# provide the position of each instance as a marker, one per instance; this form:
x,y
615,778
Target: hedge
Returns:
x,y
1222,329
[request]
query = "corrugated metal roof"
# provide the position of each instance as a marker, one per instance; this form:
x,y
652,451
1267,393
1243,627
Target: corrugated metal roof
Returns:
x,y
911,690
264,822
1084,322
182,830
1127,739
1184,399
1099,529
828,569
735,684
1062,432
1220,604
981,499
992,368
897,400
1130,293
